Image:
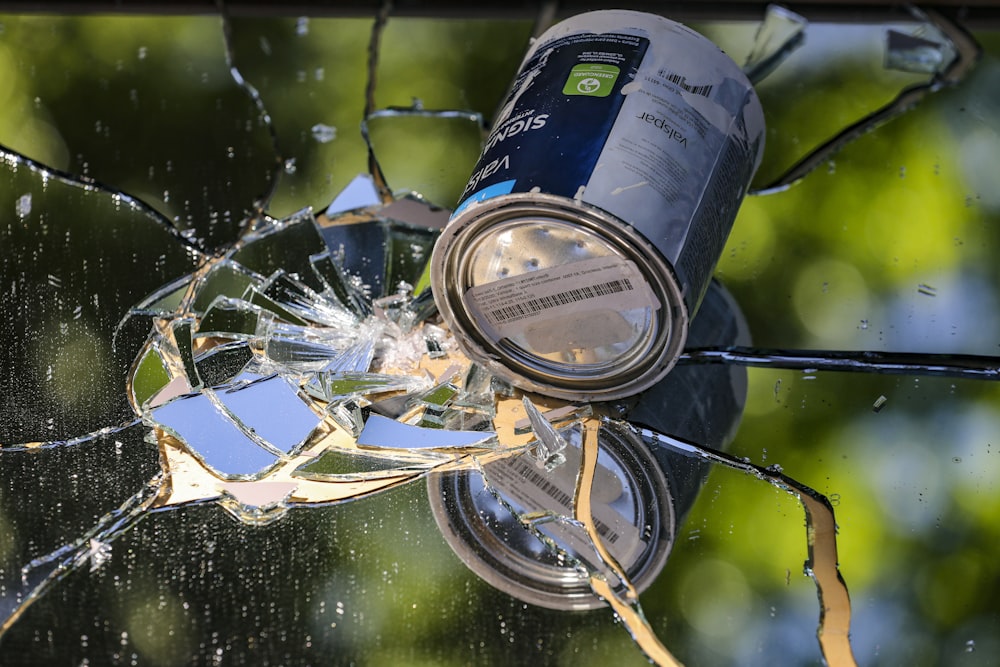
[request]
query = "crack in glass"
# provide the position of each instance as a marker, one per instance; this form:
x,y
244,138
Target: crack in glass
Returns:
x,y
300,364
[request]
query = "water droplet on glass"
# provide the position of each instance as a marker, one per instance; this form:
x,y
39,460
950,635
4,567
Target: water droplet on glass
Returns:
x,y
290,165
302,26
23,206
324,133
143,51
864,325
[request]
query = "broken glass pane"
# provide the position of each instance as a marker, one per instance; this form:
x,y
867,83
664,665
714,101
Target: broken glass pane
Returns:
x,y
254,526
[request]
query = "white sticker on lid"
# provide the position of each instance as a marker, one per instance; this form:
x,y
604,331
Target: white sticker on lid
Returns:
x,y
513,306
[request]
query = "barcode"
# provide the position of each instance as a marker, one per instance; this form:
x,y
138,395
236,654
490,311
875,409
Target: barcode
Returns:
x,y
531,474
517,311
681,81
528,471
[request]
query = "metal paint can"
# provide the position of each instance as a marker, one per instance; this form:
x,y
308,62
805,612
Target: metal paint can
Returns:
x,y
589,230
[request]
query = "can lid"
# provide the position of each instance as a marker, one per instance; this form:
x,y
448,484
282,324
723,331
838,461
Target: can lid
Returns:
x,y
558,297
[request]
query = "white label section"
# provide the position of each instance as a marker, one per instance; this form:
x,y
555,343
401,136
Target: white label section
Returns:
x,y
531,489
510,306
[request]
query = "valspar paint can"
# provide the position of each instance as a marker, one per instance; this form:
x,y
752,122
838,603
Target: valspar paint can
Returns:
x,y
591,225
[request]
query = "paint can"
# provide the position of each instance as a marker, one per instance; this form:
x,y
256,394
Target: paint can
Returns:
x,y
589,230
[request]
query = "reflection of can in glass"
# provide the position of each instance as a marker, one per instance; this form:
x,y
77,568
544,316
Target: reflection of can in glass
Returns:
x,y
632,508
591,225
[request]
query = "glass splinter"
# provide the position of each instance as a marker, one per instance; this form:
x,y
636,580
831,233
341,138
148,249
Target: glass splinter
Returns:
x,y
359,193
381,431
349,415
781,32
911,53
437,396
548,451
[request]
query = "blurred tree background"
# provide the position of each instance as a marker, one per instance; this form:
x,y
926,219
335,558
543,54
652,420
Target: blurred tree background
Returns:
x,y
890,246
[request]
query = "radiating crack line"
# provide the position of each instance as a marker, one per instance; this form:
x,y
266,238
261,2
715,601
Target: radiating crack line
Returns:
x,y
822,566
374,45
89,184
627,606
74,555
835,603
70,442
258,101
967,53
967,366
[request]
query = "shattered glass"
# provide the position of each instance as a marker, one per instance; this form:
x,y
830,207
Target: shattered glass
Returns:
x,y
236,431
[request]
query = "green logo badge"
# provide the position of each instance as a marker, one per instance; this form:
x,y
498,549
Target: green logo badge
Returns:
x,y
592,79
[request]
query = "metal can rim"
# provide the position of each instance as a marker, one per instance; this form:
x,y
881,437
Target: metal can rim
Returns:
x,y
639,374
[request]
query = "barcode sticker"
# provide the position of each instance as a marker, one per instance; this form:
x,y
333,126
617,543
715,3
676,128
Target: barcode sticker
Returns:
x,y
677,79
531,489
603,283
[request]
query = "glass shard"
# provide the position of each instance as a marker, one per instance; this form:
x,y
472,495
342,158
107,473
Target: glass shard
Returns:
x,y
549,450
231,317
359,193
198,422
270,409
781,32
912,53
223,278
353,465
381,431
283,246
